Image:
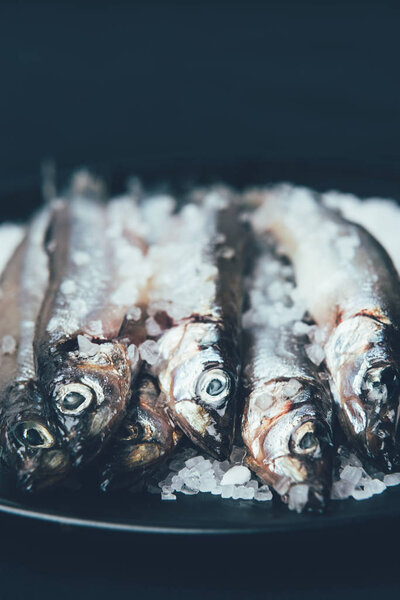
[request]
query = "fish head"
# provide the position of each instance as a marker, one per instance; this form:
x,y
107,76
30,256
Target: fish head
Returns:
x,y
31,445
366,380
370,392
145,437
200,382
88,396
293,446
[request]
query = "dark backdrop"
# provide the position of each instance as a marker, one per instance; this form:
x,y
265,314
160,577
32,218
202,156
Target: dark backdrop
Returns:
x,y
149,86
156,83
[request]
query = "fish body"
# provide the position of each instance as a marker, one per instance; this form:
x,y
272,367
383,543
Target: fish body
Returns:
x,y
30,443
83,369
287,418
198,285
145,438
352,291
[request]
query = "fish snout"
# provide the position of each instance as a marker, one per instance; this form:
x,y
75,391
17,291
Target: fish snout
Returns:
x,y
199,425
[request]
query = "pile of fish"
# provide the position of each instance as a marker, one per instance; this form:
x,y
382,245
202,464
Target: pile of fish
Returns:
x,y
229,343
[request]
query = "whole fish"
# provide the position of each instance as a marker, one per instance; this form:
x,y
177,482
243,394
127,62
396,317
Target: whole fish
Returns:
x,y
84,371
197,286
145,439
352,291
30,444
287,419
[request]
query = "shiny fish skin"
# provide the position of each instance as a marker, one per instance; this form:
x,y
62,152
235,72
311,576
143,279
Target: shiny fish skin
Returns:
x,y
31,445
352,291
200,354
86,389
145,439
285,403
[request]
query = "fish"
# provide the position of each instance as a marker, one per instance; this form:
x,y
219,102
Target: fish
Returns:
x,y
144,440
352,292
84,370
31,446
196,292
287,417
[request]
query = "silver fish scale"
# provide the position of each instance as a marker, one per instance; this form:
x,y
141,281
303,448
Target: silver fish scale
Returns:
x,y
276,355
33,281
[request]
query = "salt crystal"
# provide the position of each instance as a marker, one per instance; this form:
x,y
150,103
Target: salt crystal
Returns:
x,y
152,327
376,486
236,492
298,497
204,467
192,481
196,460
149,351
86,346
315,353
352,474
68,287
253,484
362,494
237,475
207,482
300,328
189,491
227,491
177,483
8,344
134,313
342,489
245,493
168,496
133,355
391,479
263,494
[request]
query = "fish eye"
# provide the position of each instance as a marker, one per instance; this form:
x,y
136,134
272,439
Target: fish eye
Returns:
x,y
304,439
213,386
74,398
33,435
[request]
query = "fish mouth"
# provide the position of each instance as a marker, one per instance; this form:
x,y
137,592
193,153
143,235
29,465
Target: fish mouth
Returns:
x,y
201,429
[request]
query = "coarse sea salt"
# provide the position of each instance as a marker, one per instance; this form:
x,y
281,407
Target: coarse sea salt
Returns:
x,y
192,474
8,344
149,351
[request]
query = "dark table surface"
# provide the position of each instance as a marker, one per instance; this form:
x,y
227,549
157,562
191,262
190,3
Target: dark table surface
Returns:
x,y
146,86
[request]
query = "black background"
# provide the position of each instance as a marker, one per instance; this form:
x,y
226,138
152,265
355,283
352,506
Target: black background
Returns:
x,y
149,87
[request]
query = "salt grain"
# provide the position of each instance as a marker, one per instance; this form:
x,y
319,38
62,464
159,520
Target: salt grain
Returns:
x,y
8,344
86,346
237,475
149,351
391,479
315,353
